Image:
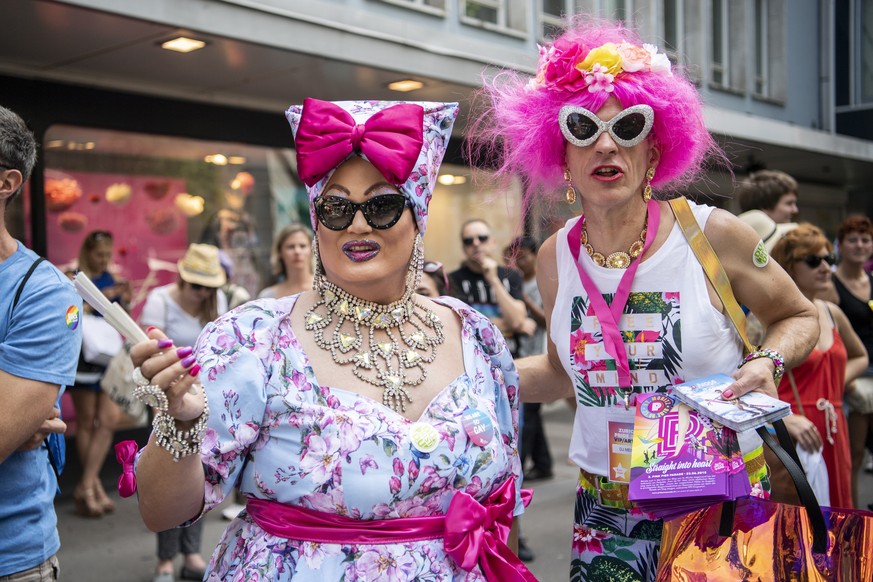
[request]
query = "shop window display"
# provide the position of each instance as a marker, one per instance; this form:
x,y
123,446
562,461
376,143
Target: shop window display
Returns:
x,y
157,194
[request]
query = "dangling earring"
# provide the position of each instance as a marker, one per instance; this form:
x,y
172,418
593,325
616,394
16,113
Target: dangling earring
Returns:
x,y
318,276
647,192
571,191
416,265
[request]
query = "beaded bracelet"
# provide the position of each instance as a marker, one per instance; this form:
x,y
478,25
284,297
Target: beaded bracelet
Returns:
x,y
180,443
773,355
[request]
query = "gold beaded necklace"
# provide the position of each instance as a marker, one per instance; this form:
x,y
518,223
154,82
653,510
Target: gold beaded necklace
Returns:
x,y
618,259
385,344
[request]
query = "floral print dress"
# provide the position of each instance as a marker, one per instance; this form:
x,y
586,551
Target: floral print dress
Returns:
x,y
277,434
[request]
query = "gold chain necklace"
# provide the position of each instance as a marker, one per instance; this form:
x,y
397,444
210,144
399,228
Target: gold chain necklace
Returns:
x,y
387,345
618,259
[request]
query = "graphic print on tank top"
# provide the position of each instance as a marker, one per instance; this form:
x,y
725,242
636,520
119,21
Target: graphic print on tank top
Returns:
x,y
651,329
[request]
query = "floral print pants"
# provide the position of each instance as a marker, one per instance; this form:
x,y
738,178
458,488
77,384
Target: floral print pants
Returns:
x,y
612,544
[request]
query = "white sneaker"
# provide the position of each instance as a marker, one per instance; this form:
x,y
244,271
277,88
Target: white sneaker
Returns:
x,y
231,511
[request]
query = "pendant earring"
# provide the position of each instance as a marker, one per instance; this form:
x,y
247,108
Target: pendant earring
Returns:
x,y
416,266
647,192
570,195
318,275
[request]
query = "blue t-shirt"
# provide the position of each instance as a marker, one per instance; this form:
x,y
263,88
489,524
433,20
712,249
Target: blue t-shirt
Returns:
x,y
39,340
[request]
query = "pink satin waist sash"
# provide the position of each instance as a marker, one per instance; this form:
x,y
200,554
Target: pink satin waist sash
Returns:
x,y
473,533
299,523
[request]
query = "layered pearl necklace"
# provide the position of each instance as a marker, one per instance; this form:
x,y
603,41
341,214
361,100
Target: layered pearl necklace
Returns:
x,y
618,259
387,345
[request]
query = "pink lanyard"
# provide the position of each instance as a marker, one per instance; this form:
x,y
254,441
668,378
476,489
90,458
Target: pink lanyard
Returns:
x,y
609,315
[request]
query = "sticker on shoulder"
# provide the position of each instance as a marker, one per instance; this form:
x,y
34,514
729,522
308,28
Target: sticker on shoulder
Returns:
x,y
760,257
72,317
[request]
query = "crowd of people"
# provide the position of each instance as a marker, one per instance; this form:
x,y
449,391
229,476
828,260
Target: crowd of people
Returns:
x,y
375,414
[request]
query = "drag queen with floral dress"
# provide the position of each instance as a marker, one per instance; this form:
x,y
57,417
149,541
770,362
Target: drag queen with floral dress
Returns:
x,y
372,430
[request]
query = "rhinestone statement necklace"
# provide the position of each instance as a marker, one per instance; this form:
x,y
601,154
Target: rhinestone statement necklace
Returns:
x,y
387,345
618,259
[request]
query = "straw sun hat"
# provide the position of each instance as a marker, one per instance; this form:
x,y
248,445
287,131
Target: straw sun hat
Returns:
x,y
769,231
201,266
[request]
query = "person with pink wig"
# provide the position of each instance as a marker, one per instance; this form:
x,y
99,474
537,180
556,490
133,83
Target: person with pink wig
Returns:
x,y
607,120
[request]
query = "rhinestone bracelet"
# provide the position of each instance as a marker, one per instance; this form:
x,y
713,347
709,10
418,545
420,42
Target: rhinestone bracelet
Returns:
x,y
774,356
180,443
153,396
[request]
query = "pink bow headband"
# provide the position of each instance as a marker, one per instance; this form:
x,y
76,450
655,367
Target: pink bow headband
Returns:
x,y
328,135
406,142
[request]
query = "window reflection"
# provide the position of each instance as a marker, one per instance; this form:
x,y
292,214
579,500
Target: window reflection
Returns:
x,y
157,194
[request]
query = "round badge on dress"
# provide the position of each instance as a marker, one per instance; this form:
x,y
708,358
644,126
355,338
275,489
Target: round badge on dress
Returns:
x,y
479,427
424,437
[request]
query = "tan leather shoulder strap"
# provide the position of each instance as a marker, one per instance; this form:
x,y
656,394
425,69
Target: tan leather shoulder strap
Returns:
x,y
796,393
711,266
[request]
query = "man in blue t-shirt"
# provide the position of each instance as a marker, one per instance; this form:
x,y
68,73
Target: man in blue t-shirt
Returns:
x,y
40,337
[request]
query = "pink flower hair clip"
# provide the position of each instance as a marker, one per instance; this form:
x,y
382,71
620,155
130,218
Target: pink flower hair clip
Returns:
x,y
599,79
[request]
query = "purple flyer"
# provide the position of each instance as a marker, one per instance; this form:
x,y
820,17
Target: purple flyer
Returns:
x,y
676,453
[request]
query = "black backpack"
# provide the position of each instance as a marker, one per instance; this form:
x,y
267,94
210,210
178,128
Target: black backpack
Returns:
x,y
50,446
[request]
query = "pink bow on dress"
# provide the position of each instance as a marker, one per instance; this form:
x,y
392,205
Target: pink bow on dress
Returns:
x,y
390,139
125,452
477,533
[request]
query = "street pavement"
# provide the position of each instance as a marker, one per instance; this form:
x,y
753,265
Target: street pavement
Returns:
x,y
118,547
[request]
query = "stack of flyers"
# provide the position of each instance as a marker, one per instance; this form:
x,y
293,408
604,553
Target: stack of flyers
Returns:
x,y
680,460
749,411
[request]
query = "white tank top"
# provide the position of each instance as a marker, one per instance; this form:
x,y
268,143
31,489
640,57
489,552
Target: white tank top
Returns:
x,y
672,334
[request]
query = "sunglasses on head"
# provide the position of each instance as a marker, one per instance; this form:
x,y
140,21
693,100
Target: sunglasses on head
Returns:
x,y
582,127
469,240
96,235
813,261
380,212
434,267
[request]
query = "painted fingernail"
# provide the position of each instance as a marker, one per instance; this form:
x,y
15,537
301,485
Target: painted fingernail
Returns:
x,y
195,369
151,327
184,352
165,343
728,394
188,361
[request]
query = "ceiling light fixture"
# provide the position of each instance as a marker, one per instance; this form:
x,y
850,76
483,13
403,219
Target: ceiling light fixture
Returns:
x,y
405,85
451,180
217,159
236,160
183,44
